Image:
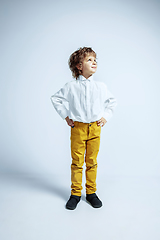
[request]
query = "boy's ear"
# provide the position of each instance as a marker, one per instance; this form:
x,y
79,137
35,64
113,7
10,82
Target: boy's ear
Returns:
x,y
79,66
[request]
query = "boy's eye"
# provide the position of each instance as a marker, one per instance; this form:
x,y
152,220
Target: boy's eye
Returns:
x,y
91,60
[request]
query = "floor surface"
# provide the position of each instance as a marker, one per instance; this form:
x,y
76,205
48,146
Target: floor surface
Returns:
x,y
33,208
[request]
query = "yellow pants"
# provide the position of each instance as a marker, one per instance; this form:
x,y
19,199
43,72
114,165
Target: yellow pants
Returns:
x,y
85,139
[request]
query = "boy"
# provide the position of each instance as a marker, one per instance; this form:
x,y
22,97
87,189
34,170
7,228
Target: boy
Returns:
x,y
90,106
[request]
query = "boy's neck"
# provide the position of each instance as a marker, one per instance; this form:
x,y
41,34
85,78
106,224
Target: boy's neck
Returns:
x,y
87,76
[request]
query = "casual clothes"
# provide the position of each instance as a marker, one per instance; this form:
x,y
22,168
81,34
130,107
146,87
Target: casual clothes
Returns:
x,y
84,137
88,101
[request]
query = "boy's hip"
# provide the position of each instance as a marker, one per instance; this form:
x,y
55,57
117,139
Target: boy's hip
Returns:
x,y
85,131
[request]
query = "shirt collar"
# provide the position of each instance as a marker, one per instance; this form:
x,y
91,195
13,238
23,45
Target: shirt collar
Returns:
x,y
81,77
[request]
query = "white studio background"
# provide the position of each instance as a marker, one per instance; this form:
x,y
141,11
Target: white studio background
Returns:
x,y
37,38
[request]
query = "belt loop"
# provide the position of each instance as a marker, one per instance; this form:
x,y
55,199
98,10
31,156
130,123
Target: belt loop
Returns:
x,y
77,124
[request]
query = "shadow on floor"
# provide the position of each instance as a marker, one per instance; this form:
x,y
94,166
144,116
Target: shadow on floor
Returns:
x,y
35,181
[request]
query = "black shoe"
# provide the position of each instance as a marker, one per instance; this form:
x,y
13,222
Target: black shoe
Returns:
x,y
72,202
94,200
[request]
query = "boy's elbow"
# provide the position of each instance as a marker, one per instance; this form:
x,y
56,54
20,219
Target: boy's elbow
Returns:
x,y
52,98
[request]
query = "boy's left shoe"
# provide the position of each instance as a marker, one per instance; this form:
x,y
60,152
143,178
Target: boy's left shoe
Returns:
x,y
94,200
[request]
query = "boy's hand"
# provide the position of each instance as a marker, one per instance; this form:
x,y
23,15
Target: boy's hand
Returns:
x,y
69,121
101,122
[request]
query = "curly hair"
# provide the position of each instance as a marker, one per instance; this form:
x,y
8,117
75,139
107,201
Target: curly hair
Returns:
x,y
77,58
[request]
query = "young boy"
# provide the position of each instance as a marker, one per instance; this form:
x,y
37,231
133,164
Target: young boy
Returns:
x,y
90,106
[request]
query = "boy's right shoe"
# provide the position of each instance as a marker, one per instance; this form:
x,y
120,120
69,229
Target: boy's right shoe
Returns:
x,y
72,202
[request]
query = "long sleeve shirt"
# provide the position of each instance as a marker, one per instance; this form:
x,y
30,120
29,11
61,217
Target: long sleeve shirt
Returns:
x,y
88,100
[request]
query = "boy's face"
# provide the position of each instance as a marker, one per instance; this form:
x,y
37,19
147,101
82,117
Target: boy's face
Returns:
x,y
88,66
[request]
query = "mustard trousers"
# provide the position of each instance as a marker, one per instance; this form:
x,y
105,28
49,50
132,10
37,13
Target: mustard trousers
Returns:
x,y
85,140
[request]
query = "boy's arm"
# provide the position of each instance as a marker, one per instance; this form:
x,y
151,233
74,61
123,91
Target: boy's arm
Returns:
x,y
58,100
110,103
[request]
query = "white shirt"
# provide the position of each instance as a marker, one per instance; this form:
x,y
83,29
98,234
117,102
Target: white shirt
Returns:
x,y
88,100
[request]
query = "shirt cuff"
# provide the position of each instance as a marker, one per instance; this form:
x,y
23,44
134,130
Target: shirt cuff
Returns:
x,y
64,114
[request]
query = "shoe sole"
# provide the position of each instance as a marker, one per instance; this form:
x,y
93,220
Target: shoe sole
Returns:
x,y
70,208
95,206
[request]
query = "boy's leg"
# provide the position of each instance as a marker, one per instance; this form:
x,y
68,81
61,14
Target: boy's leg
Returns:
x,y
92,149
78,145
